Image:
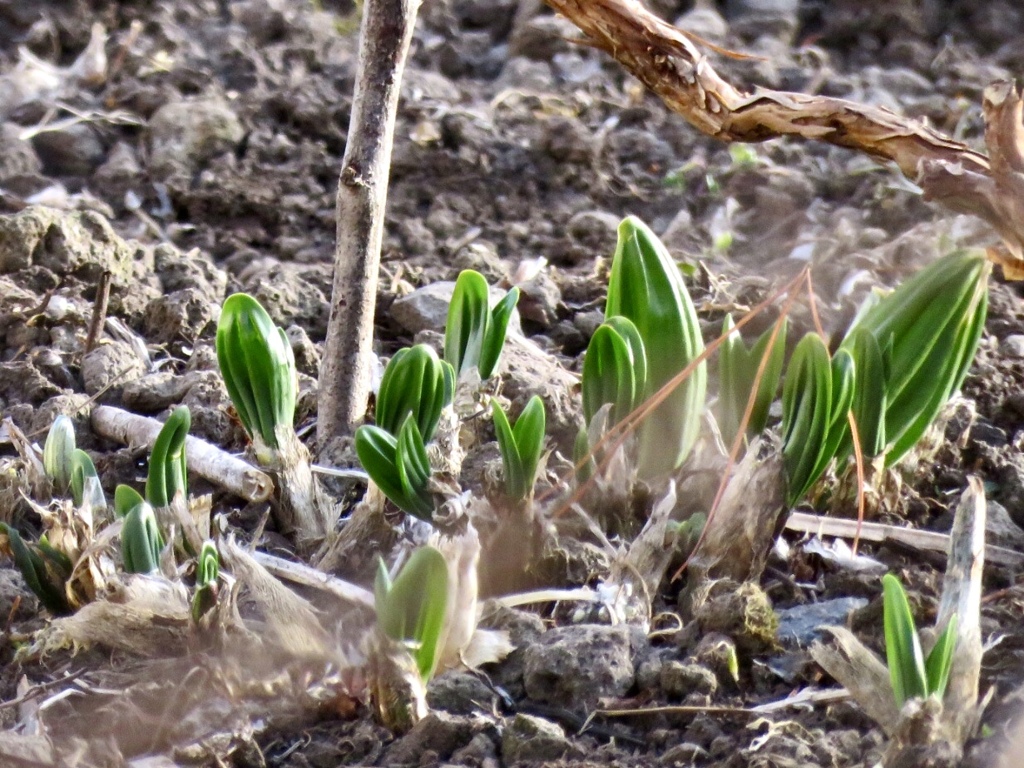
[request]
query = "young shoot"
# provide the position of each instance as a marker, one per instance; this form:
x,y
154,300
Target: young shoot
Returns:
x,y
57,451
168,469
411,609
521,447
207,574
141,542
475,334
258,367
646,286
45,570
416,381
913,675
85,481
737,370
614,369
398,466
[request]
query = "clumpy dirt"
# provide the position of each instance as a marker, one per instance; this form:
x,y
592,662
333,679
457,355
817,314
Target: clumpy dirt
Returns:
x,y
204,161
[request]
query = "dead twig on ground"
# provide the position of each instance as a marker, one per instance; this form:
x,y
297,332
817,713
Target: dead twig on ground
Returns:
x,y
670,63
362,193
206,460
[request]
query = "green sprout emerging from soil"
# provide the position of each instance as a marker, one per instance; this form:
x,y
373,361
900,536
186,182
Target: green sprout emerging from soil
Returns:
x,y
475,333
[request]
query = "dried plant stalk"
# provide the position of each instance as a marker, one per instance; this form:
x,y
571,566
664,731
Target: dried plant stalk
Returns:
x,y
669,62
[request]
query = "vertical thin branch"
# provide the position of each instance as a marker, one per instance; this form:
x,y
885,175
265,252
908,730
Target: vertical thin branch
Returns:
x,y
99,311
385,34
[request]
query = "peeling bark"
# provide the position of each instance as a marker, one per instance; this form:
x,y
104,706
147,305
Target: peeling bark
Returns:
x,y
669,62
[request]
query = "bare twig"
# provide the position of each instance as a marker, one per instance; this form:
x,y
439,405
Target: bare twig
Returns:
x,y
385,35
670,63
99,311
924,540
204,459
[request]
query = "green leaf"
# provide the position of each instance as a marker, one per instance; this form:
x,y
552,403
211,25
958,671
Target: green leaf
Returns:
x,y
737,370
412,609
608,375
902,645
60,444
581,458
520,447
806,415
207,573
494,339
45,582
85,482
870,392
378,453
646,287
469,320
929,330
141,541
258,366
414,470
126,499
939,662
415,382
168,468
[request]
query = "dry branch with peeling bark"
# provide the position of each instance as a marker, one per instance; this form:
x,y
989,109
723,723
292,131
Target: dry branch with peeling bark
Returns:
x,y
670,62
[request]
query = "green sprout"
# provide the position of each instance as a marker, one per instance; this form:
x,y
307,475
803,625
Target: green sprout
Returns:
x,y
85,481
411,609
60,444
416,381
614,369
45,570
475,334
737,370
398,466
207,573
913,675
126,499
816,397
647,287
168,470
928,331
141,542
258,367
520,446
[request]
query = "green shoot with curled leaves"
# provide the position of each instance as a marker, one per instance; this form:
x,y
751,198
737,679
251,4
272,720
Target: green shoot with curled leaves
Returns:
x,y
60,444
85,481
913,675
168,469
926,332
141,542
521,447
258,367
416,381
737,371
44,569
207,573
816,397
411,610
398,466
647,287
614,369
475,334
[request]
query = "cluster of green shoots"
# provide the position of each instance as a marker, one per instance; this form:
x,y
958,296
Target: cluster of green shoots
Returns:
x,y
48,571
898,364
913,675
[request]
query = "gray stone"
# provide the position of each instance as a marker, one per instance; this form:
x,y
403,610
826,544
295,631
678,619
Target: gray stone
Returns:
x,y
576,666
74,406
109,367
704,22
803,624
72,151
155,392
1013,345
186,134
438,732
17,157
542,37
178,271
532,738
595,229
459,693
1000,528
180,315
426,308
81,243
679,680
